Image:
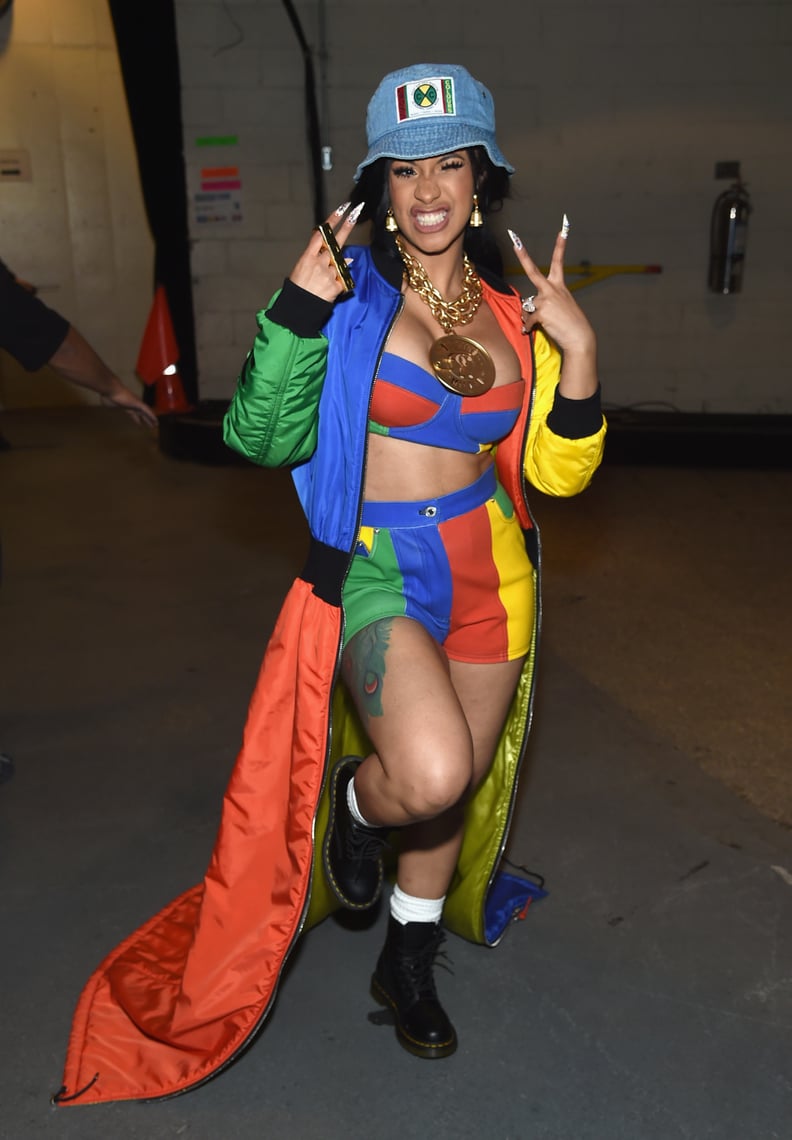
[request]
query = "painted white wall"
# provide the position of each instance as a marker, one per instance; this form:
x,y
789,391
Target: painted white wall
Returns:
x,y
78,229
614,111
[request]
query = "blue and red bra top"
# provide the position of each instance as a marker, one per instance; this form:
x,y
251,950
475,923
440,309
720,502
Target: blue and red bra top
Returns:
x,y
409,402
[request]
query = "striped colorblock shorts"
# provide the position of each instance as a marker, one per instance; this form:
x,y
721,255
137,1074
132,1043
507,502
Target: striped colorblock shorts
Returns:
x,y
457,564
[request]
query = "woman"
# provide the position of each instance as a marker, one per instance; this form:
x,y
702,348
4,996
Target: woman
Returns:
x,y
410,409
438,598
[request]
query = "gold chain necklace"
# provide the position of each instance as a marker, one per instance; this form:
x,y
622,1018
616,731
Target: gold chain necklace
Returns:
x,y
449,314
460,364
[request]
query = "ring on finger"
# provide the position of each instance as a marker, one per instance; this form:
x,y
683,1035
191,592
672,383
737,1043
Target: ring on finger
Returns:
x,y
528,304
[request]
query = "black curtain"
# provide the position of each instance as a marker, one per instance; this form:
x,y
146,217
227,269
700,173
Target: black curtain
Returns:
x,y
145,33
312,126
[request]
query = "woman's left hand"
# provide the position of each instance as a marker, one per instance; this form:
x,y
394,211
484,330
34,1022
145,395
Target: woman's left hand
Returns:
x,y
552,305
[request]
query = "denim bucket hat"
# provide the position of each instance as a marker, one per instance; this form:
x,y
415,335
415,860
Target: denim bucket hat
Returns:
x,y
428,109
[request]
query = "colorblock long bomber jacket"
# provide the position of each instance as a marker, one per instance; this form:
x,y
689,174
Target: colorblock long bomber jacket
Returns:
x,y
178,999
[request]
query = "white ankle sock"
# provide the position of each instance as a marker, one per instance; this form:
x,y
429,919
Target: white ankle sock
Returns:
x,y
352,804
408,908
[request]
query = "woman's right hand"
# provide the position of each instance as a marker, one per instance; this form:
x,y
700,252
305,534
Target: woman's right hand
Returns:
x,y
315,271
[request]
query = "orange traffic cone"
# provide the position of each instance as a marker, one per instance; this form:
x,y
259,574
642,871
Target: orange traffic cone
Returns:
x,y
158,358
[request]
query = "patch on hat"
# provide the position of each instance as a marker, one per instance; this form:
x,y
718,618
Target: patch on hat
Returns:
x,y
427,97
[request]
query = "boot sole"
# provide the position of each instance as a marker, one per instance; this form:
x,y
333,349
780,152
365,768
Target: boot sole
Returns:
x,y
418,1048
331,882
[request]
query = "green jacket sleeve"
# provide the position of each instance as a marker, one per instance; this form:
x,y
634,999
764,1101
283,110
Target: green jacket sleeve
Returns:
x,y
274,414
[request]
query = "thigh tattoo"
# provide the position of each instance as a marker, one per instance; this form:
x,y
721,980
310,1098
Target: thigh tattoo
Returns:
x,y
363,666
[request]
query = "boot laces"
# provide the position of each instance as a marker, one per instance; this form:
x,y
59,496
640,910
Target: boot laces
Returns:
x,y
417,970
363,845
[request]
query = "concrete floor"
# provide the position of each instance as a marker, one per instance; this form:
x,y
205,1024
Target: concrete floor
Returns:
x,y
649,997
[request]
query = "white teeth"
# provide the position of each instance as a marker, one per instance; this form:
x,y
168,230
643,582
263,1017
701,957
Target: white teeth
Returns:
x,y
430,219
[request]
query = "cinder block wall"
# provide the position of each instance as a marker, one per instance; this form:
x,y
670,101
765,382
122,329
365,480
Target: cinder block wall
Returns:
x,y
77,229
614,112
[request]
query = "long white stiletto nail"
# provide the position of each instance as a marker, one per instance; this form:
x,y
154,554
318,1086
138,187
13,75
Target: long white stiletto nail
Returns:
x,y
355,214
565,227
515,239
342,209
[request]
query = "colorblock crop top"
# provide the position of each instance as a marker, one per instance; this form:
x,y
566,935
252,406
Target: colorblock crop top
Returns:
x,y
409,402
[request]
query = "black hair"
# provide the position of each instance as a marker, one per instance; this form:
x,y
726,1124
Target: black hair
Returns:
x,y
492,186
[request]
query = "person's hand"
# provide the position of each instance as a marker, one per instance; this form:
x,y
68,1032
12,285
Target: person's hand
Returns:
x,y
79,362
315,271
552,305
141,413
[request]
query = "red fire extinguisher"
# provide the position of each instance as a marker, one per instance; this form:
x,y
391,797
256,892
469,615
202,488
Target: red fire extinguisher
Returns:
x,y
728,232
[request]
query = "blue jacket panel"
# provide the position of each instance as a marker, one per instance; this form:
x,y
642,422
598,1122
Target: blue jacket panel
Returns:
x,y
329,483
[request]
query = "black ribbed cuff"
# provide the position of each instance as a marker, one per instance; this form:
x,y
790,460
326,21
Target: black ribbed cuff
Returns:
x,y
325,569
575,419
299,311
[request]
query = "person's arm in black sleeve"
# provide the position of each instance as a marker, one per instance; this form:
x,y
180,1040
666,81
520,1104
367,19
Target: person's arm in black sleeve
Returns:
x,y
36,335
29,329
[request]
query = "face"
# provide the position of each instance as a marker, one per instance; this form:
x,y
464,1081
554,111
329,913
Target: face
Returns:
x,y
431,199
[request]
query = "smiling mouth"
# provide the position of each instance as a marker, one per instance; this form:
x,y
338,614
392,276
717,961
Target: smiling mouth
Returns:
x,y
429,219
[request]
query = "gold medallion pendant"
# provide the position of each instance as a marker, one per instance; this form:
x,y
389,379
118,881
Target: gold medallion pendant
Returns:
x,y
462,365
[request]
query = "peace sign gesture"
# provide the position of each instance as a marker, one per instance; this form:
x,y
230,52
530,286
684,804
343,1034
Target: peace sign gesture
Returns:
x,y
316,270
553,306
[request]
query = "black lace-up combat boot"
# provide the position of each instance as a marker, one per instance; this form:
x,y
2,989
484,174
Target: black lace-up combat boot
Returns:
x,y
404,980
352,853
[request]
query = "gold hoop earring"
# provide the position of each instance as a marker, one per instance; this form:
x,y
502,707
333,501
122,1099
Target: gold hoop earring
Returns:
x,y
476,218
391,225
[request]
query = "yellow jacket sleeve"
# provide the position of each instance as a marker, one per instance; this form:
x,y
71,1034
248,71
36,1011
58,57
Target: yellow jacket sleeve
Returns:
x,y
553,463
